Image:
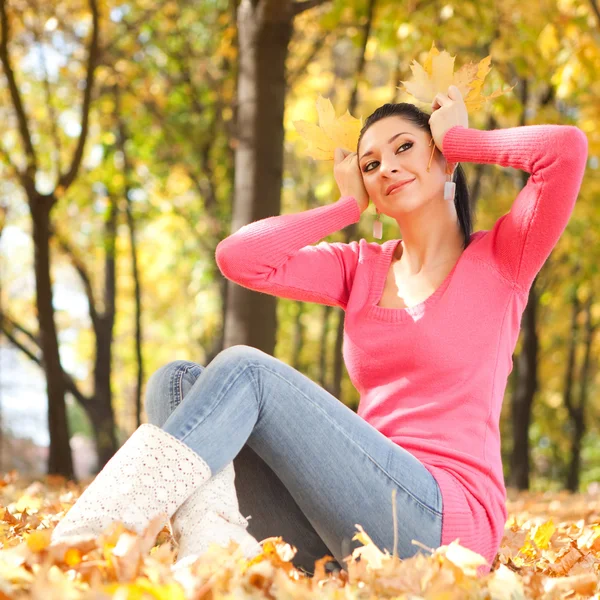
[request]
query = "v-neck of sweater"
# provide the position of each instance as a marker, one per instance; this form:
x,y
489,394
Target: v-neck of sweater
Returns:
x,y
380,273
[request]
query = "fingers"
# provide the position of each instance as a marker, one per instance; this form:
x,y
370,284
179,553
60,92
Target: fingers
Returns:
x,y
454,93
338,155
441,99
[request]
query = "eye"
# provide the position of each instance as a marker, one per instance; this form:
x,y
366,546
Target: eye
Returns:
x,y
368,166
409,144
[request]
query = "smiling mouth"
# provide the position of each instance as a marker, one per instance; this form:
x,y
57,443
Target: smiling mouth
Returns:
x,y
399,187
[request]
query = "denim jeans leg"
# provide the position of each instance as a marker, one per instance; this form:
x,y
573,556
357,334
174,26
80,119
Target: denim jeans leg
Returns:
x,y
338,468
261,494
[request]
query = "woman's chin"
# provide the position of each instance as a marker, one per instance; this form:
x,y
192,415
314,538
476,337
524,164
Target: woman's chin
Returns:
x,y
398,207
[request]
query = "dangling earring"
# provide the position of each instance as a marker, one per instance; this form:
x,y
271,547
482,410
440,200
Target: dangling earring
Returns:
x,y
449,186
431,141
377,226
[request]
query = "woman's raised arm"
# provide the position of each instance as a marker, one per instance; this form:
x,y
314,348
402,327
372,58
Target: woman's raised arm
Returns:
x,y
276,256
555,156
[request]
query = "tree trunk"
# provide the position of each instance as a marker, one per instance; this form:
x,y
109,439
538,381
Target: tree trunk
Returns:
x,y
568,389
219,341
264,31
526,383
574,472
350,231
135,273
99,408
522,400
577,412
338,358
327,311
298,341
60,459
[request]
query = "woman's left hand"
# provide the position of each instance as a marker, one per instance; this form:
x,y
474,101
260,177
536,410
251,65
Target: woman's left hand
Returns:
x,y
449,110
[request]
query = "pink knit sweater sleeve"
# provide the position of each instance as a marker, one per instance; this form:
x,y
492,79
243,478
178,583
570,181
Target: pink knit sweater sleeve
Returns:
x,y
555,156
276,256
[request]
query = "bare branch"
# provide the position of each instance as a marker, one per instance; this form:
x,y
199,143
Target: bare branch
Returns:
x,y
14,325
67,179
16,97
300,7
9,163
70,384
13,340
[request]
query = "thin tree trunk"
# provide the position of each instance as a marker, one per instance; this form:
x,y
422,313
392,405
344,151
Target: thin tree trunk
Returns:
x,y
100,407
526,386
569,381
135,272
60,460
327,310
123,136
298,341
338,360
350,231
219,341
577,412
3,211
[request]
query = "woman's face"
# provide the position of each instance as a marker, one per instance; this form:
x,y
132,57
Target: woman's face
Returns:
x,y
393,157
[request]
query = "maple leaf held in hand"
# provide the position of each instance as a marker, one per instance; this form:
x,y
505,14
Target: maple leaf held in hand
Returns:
x,y
437,75
332,132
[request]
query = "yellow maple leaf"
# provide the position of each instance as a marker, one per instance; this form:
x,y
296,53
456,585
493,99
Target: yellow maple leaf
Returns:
x,y
437,75
543,534
332,132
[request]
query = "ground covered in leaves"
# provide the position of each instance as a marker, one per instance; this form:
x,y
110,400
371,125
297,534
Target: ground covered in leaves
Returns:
x,y
551,549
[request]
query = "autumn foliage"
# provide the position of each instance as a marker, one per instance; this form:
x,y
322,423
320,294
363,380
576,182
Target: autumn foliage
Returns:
x,y
435,76
551,549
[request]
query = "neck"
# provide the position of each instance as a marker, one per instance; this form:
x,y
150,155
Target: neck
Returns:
x,y
431,237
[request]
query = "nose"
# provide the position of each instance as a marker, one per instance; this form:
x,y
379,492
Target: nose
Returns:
x,y
387,167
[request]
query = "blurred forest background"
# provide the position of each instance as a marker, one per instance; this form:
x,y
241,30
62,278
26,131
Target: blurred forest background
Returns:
x,y
135,135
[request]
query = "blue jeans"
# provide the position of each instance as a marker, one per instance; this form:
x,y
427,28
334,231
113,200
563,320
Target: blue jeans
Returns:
x,y
307,467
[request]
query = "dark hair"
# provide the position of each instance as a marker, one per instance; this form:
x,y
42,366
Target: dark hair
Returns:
x,y
421,119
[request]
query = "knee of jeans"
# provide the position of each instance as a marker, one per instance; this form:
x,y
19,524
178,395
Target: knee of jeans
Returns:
x,y
157,401
240,352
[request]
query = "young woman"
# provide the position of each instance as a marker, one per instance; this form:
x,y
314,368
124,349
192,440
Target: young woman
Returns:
x,y
432,319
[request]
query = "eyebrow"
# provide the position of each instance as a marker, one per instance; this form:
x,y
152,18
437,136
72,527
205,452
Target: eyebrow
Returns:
x,y
389,142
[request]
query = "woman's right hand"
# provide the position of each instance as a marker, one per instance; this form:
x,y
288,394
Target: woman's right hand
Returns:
x,y
348,177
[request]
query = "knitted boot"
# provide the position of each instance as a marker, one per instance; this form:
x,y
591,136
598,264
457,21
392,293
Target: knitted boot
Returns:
x,y
152,474
211,515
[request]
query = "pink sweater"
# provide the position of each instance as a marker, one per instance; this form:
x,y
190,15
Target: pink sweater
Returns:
x,y
432,377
